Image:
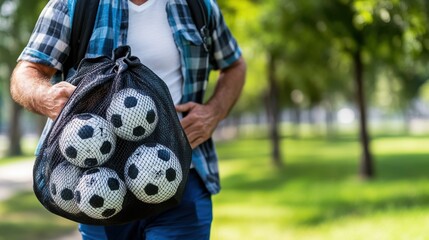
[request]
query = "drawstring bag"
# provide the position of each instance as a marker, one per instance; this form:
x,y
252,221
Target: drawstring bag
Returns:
x,y
117,151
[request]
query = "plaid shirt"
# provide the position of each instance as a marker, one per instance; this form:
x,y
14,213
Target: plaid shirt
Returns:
x,y
49,45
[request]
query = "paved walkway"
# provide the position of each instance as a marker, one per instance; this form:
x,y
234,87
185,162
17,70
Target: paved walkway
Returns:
x,y
17,177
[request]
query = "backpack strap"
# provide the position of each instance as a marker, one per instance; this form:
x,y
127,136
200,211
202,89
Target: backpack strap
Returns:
x,y
198,12
83,24
200,15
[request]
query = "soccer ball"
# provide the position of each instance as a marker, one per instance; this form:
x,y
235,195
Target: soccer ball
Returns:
x,y
100,193
87,140
153,173
62,188
133,114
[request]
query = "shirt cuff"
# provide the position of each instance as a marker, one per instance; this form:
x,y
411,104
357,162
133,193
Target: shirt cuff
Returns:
x,y
35,56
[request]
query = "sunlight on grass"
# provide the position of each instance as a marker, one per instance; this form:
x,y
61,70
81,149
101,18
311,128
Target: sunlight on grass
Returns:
x,y
318,194
28,145
403,145
7,160
22,217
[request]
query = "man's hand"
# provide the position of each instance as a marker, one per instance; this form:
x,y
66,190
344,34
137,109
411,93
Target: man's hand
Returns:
x,y
55,98
30,86
199,123
202,119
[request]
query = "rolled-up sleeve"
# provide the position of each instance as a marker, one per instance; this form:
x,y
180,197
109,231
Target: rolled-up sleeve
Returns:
x,y
49,42
225,48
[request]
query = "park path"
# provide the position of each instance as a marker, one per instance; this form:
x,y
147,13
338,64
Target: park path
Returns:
x,y
17,177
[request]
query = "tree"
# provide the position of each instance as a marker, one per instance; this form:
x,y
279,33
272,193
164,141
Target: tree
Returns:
x,y
17,19
362,31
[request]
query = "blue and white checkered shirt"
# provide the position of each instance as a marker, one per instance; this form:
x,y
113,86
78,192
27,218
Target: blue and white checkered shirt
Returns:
x,y
49,45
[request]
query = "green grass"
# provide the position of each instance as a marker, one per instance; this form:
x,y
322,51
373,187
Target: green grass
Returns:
x,y
318,194
28,146
23,218
7,160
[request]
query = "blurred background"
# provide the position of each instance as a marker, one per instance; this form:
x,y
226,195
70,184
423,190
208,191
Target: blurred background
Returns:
x,y
329,139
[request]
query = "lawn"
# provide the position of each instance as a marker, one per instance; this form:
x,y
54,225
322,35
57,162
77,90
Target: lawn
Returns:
x,y
317,195
28,145
23,218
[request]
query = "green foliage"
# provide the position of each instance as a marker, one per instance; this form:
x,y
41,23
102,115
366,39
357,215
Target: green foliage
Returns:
x,y
314,40
242,19
17,19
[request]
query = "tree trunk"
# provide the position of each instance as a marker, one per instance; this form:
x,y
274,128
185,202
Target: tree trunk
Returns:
x,y
273,112
407,119
366,164
329,119
15,131
297,121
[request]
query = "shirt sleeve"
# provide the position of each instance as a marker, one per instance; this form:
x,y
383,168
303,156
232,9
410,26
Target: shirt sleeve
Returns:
x,y
225,48
49,42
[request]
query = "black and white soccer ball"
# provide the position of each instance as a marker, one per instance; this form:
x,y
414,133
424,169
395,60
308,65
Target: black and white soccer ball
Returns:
x,y
133,114
100,193
153,173
63,181
87,140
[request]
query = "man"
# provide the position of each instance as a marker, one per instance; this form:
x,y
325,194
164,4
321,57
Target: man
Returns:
x,y
161,34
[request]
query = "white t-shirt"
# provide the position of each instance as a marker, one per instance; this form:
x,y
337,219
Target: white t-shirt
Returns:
x,y
151,40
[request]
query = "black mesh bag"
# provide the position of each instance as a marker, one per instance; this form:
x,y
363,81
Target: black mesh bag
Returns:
x,y
117,151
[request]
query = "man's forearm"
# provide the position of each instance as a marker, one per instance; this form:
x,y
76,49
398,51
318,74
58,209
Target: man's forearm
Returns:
x,y
228,89
27,84
30,86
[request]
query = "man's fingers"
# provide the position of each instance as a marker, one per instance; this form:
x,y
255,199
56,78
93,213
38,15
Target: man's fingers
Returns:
x,y
192,136
185,107
195,136
69,91
57,97
187,122
198,124
196,142
65,89
195,139
65,92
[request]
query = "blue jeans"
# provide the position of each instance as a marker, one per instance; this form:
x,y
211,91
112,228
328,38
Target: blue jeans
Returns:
x,y
189,220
